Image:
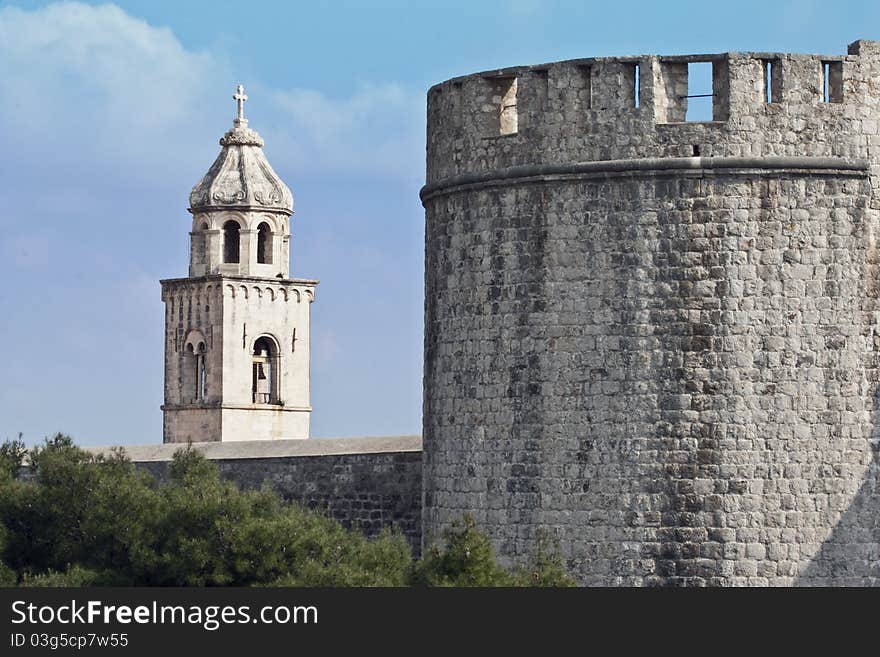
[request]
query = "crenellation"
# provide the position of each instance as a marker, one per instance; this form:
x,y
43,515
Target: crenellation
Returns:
x,y
588,112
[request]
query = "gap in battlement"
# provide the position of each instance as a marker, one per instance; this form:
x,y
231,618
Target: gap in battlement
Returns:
x,y
455,105
584,89
636,85
508,119
699,92
500,115
772,70
832,82
694,91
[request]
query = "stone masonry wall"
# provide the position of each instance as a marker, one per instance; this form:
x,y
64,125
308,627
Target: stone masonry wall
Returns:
x,y
365,483
657,340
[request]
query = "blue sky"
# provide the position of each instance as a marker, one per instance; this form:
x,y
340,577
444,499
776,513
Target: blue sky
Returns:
x,y
109,113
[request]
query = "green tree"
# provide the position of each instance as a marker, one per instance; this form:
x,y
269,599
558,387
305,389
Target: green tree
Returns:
x,y
73,576
7,575
546,567
465,559
12,454
74,519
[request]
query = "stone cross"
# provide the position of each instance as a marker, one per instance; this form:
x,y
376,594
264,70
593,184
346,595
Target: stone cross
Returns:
x,y
240,97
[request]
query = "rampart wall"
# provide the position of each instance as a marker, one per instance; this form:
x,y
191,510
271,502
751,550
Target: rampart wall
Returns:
x,y
365,483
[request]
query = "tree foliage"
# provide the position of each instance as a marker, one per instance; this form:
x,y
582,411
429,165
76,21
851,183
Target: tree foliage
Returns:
x,y
466,558
69,518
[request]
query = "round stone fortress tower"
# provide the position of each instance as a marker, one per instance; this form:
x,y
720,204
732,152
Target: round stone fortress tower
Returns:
x,y
653,339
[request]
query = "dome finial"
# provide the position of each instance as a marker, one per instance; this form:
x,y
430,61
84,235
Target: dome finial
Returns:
x,y
241,177
240,97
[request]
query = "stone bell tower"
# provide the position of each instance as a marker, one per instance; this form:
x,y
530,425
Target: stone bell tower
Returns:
x,y
237,329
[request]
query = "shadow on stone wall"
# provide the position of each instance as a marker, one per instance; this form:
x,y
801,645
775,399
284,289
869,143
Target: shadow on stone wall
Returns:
x,y
851,555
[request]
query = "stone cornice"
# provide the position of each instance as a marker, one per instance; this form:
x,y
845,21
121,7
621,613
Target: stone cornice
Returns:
x,y
238,407
221,278
642,167
240,208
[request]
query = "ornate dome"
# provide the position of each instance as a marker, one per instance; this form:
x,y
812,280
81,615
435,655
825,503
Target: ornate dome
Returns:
x,y
241,176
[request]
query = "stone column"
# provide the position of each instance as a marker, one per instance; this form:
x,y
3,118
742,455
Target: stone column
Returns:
x,y
213,255
284,262
248,252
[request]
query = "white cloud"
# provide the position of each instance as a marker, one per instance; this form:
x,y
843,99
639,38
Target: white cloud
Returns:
x,y
91,86
95,78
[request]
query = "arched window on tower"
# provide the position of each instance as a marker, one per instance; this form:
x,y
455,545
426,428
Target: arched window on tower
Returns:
x,y
190,365
264,385
201,373
204,230
264,244
194,374
231,248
